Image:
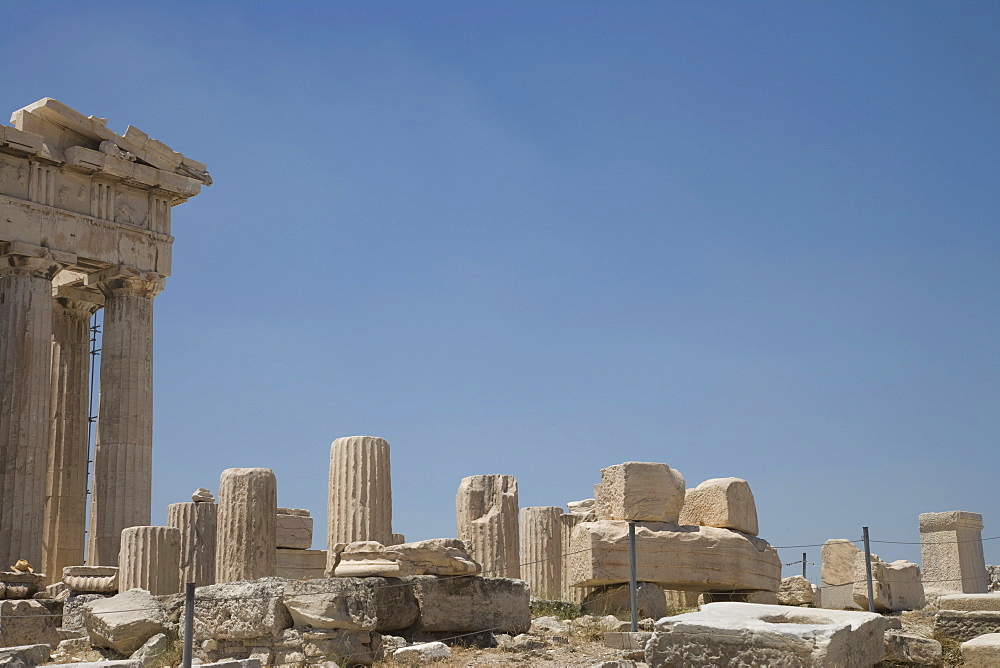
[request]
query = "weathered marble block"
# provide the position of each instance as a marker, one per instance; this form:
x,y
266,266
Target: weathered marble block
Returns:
x,y
297,564
745,634
294,529
951,551
837,574
982,652
360,491
541,550
640,491
726,503
673,556
438,556
18,584
896,585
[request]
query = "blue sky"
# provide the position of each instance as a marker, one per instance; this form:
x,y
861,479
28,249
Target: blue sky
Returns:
x,y
746,239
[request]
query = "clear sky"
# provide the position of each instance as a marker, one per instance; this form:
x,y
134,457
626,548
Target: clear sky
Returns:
x,y
745,239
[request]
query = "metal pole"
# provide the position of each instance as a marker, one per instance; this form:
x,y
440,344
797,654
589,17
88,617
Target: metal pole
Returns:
x,y
632,588
188,623
868,568
804,566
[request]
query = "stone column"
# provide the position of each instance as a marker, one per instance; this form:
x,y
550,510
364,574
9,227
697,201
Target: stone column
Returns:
x,y
486,516
197,524
951,549
63,538
149,560
122,484
360,491
26,274
541,550
247,525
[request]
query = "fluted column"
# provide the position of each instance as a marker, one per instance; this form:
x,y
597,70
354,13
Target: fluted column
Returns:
x,y
541,550
122,485
568,522
149,560
63,539
486,516
247,525
360,491
26,274
197,523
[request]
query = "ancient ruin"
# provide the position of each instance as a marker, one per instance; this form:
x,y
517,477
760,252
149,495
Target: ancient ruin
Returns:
x,y
196,521
87,226
246,527
951,549
360,501
486,515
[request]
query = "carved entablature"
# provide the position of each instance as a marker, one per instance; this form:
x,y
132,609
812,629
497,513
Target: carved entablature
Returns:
x,y
69,183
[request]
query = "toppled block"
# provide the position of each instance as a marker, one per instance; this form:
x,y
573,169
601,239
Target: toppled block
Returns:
x,y
20,584
640,491
692,558
613,599
906,648
25,655
421,653
796,590
471,604
964,625
296,564
295,529
837,574
365,604
26,622
726,503
240,610
126,621
951,551
982,652
745,634
969,602
896,586
91,579
438,556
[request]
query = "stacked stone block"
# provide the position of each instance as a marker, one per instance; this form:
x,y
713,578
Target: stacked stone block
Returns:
x,y
951,549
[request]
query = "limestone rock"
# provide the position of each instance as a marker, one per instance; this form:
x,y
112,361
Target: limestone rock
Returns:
x,y
421,653
73,612
640,491
300,564
837,574
951,551
150,559
549,626
541,550
241,610
360,491
437,556
471,604
674,557
486,515
91,579
294,529
126,621
912,649
371,559
964,625
202,495
982,652
246,525
152,649
897,585
26,622
743,634
24,656
726,503
795,590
